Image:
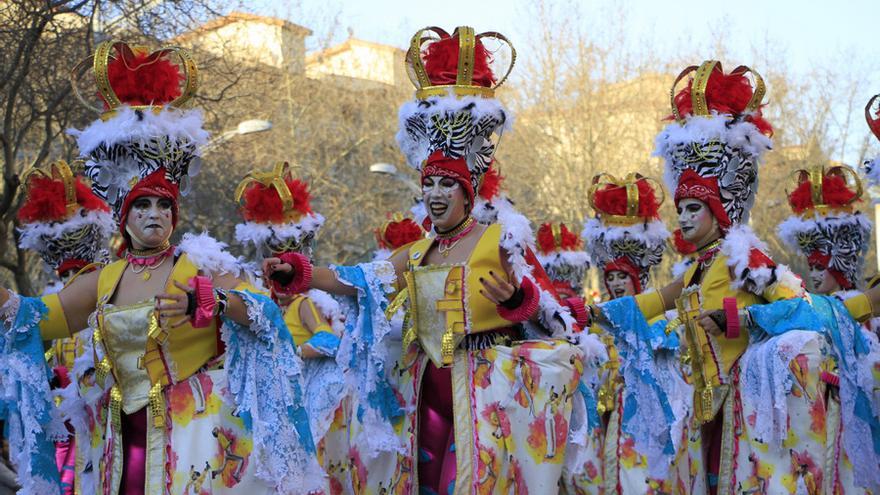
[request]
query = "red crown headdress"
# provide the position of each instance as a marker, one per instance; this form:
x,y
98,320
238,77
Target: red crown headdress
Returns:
x,y
144,127
397,231
448,129
277,210
62,220
560,251
825,227
718,134
627,231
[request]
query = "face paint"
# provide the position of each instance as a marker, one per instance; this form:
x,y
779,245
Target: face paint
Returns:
x,y
823,281
445,201
150,221
619,284
697,223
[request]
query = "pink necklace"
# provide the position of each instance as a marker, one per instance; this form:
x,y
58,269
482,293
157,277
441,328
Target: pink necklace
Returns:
x,y
147,260
448,240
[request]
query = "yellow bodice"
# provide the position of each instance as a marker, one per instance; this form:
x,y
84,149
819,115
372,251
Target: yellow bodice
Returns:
x,y
167,356
444,300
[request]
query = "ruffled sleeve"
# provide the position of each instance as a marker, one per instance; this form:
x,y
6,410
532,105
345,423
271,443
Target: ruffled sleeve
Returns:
x,y
266,384
363,355
654,388
28,410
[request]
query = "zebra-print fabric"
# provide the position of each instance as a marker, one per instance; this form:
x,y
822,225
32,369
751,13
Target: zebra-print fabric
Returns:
x,y
735,171
457,133
567,272
643,255
85,243
846,243
114,169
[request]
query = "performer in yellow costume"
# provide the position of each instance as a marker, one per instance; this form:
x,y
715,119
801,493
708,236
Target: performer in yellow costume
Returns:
x,y
740,349
68,226
188,367
481,399
279,221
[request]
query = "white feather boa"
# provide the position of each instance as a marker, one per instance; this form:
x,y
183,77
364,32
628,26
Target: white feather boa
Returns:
x,y
209,255
257,234
737,246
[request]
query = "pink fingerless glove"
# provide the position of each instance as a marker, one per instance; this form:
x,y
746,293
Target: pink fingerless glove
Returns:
x,y
302,275
578,310
205,302
526,307
731,312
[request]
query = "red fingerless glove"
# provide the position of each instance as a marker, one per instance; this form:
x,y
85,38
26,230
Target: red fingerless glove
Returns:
x,y
527,306
578,310
302,275
731,312
205,302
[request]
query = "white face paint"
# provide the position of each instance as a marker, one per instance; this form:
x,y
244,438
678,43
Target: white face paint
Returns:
x,y
619,284
445,201
697,223
823,281
149,222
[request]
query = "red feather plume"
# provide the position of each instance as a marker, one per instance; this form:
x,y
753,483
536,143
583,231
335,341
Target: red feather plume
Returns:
x,y
144,78
441,62
262,204
682,246
726,94
490,184
46,201
835,193
546,241
611,200
397,234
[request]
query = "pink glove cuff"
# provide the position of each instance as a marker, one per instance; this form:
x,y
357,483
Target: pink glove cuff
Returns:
x,y
732,314
578,310
205,302
527,308
302,275
830,378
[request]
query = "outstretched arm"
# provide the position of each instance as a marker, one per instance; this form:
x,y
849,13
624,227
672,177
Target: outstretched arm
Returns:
x,y
69,310
324,278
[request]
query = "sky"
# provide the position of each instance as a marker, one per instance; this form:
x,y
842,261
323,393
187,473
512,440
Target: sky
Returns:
x,y
842,34
808,30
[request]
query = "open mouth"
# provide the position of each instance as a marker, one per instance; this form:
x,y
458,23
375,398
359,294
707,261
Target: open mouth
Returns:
x,y
619,292
154,226
685,230
437,208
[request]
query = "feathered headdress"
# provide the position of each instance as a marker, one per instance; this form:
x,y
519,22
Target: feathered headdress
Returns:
x,y
277,211
825,226
144,131
871,167
562,255
62,220
448,129
627,233
714,146
396,232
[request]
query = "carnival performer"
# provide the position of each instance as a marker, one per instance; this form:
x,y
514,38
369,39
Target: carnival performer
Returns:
x,y
188,367
476,399
69,227
280,222
833,236
751,429
561,254
627,239
397,232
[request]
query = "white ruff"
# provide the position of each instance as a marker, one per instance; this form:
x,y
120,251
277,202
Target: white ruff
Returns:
x,y
126,125
741,135
32,233
209,255
257,234
562,258
416,151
